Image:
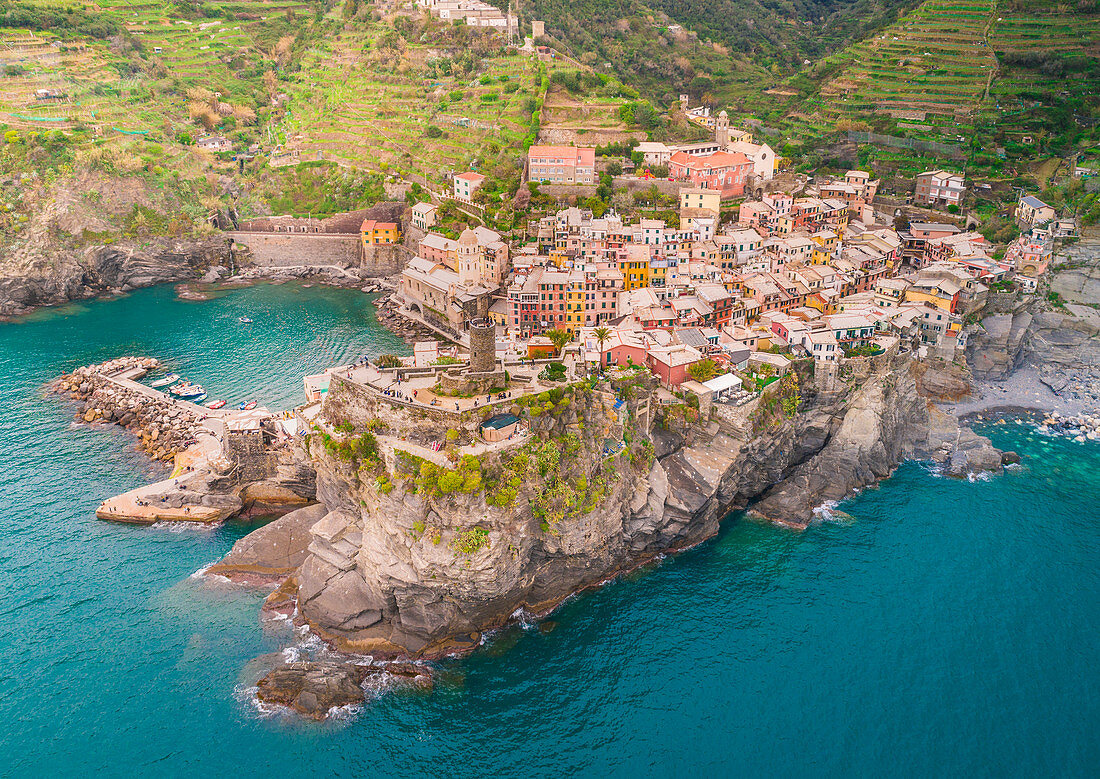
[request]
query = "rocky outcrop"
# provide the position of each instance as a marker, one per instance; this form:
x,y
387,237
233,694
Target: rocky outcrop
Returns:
x,y
394,570
1061,342
99,270
313,688
272,552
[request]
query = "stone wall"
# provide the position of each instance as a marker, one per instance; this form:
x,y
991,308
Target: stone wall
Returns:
x,y
282,249
270,250
384,260
664,186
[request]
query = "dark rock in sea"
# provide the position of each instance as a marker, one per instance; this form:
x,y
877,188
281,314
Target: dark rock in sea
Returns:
x,y
1009,458
313,688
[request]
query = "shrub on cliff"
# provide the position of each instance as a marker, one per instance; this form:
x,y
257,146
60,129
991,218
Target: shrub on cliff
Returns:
x,y
470,541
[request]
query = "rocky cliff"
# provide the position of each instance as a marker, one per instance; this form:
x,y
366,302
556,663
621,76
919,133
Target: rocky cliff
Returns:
x,y
75,275
1055,334
418,559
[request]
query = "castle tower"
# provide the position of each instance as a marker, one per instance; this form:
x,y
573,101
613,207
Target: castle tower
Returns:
x,y
722,129
483,346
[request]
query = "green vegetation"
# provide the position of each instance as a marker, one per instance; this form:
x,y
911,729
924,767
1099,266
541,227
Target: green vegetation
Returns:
x,y
469,542
789,395
554,371
319,189
704,370
363,448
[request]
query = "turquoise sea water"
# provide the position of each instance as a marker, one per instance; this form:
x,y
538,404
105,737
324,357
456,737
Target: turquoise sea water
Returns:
x,y
948,627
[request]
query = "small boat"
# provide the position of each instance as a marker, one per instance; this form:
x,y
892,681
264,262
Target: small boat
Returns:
x,y
215,404
199,399
176,389
192,391
245,320
247,405
169,379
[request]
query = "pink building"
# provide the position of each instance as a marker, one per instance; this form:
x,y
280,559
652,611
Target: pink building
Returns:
x,y
562,164
670,363
721,171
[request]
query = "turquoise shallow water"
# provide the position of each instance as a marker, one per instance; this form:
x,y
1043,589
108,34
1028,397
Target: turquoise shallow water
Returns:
x,y
948,627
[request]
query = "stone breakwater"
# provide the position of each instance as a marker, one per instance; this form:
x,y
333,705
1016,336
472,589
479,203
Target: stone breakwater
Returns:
x,y
163,428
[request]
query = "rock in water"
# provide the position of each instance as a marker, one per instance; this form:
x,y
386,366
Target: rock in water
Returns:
x,y
313,688
274,550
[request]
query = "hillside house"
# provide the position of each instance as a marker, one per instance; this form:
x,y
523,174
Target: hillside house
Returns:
x,y
214,143
466,184
423,216
562,164
1032,211
939,188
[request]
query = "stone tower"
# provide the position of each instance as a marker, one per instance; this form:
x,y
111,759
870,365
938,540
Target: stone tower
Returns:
x,y
722,129
483,346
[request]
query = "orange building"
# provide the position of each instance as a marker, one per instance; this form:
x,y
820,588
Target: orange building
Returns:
x,y
374,233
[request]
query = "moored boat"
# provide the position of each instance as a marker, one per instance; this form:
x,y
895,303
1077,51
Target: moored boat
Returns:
x,y
216,404
191,391
245,320
164,382
247,405
182,386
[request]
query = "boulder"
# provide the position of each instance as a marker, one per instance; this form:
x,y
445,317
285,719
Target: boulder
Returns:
x,y
313,688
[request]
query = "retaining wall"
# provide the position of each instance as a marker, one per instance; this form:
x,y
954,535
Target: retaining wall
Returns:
x,y
287,249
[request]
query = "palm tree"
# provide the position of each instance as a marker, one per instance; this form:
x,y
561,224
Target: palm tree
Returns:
x,y
603,335
559,338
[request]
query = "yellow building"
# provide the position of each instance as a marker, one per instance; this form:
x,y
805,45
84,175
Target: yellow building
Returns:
x,y
374,233
825,243
635,268
692,200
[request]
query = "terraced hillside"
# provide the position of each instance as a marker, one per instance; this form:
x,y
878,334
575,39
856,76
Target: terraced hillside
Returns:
x,y
988,75
935,61
372,100
52,78
358,102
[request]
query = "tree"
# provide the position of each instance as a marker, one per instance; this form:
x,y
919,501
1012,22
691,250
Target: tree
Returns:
x,y
559,338
704,370
603,335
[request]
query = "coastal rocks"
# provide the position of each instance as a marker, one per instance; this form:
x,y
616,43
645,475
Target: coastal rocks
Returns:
x,y
273,551
997,351
401,326
884,423
396,573
943,381
972,454
1080,427
106,269
315,688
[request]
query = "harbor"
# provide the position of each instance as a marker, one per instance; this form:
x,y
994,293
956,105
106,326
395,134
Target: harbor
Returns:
x,y
205,447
